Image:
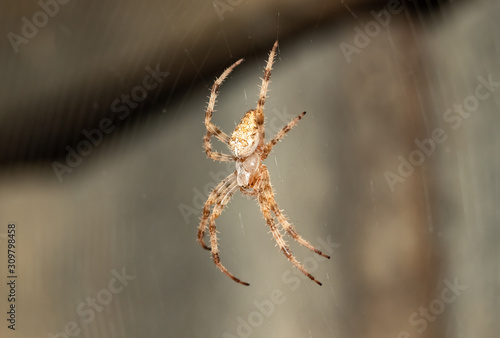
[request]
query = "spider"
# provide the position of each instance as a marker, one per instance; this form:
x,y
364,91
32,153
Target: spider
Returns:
x,y
248,150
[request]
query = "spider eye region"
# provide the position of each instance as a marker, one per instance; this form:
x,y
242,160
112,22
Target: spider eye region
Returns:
x,y
246,170
245,137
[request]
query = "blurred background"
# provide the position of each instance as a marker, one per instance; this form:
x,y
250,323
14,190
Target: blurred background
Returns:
x,y
393,171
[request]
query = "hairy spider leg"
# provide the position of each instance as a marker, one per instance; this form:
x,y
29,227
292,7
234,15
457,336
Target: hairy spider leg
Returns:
x,y
290,229
267,203
213,232
215,196
212,129
269,145
266,200
263,94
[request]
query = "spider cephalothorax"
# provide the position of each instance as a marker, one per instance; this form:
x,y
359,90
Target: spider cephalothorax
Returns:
x,y
251,177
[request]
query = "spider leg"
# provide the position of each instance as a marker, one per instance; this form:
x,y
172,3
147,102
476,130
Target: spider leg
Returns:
x,y
289,228
267,78
263,93
269,145
281,242
266,202
224,199
214,155
215,196
212,129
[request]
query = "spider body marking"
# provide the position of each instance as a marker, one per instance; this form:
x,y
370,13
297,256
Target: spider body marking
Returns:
x,y
245,138
248,150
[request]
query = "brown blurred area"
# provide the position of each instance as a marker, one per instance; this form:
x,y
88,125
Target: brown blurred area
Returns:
x,y
393,171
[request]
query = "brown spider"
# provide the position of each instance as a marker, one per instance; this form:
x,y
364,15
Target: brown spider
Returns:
x,y
251,176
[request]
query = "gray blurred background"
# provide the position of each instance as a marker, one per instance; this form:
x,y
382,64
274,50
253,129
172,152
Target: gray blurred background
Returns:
x,y
103,173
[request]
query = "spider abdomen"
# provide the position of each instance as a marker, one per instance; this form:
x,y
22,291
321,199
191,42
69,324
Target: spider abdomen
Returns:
x,y
245,137
246,170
